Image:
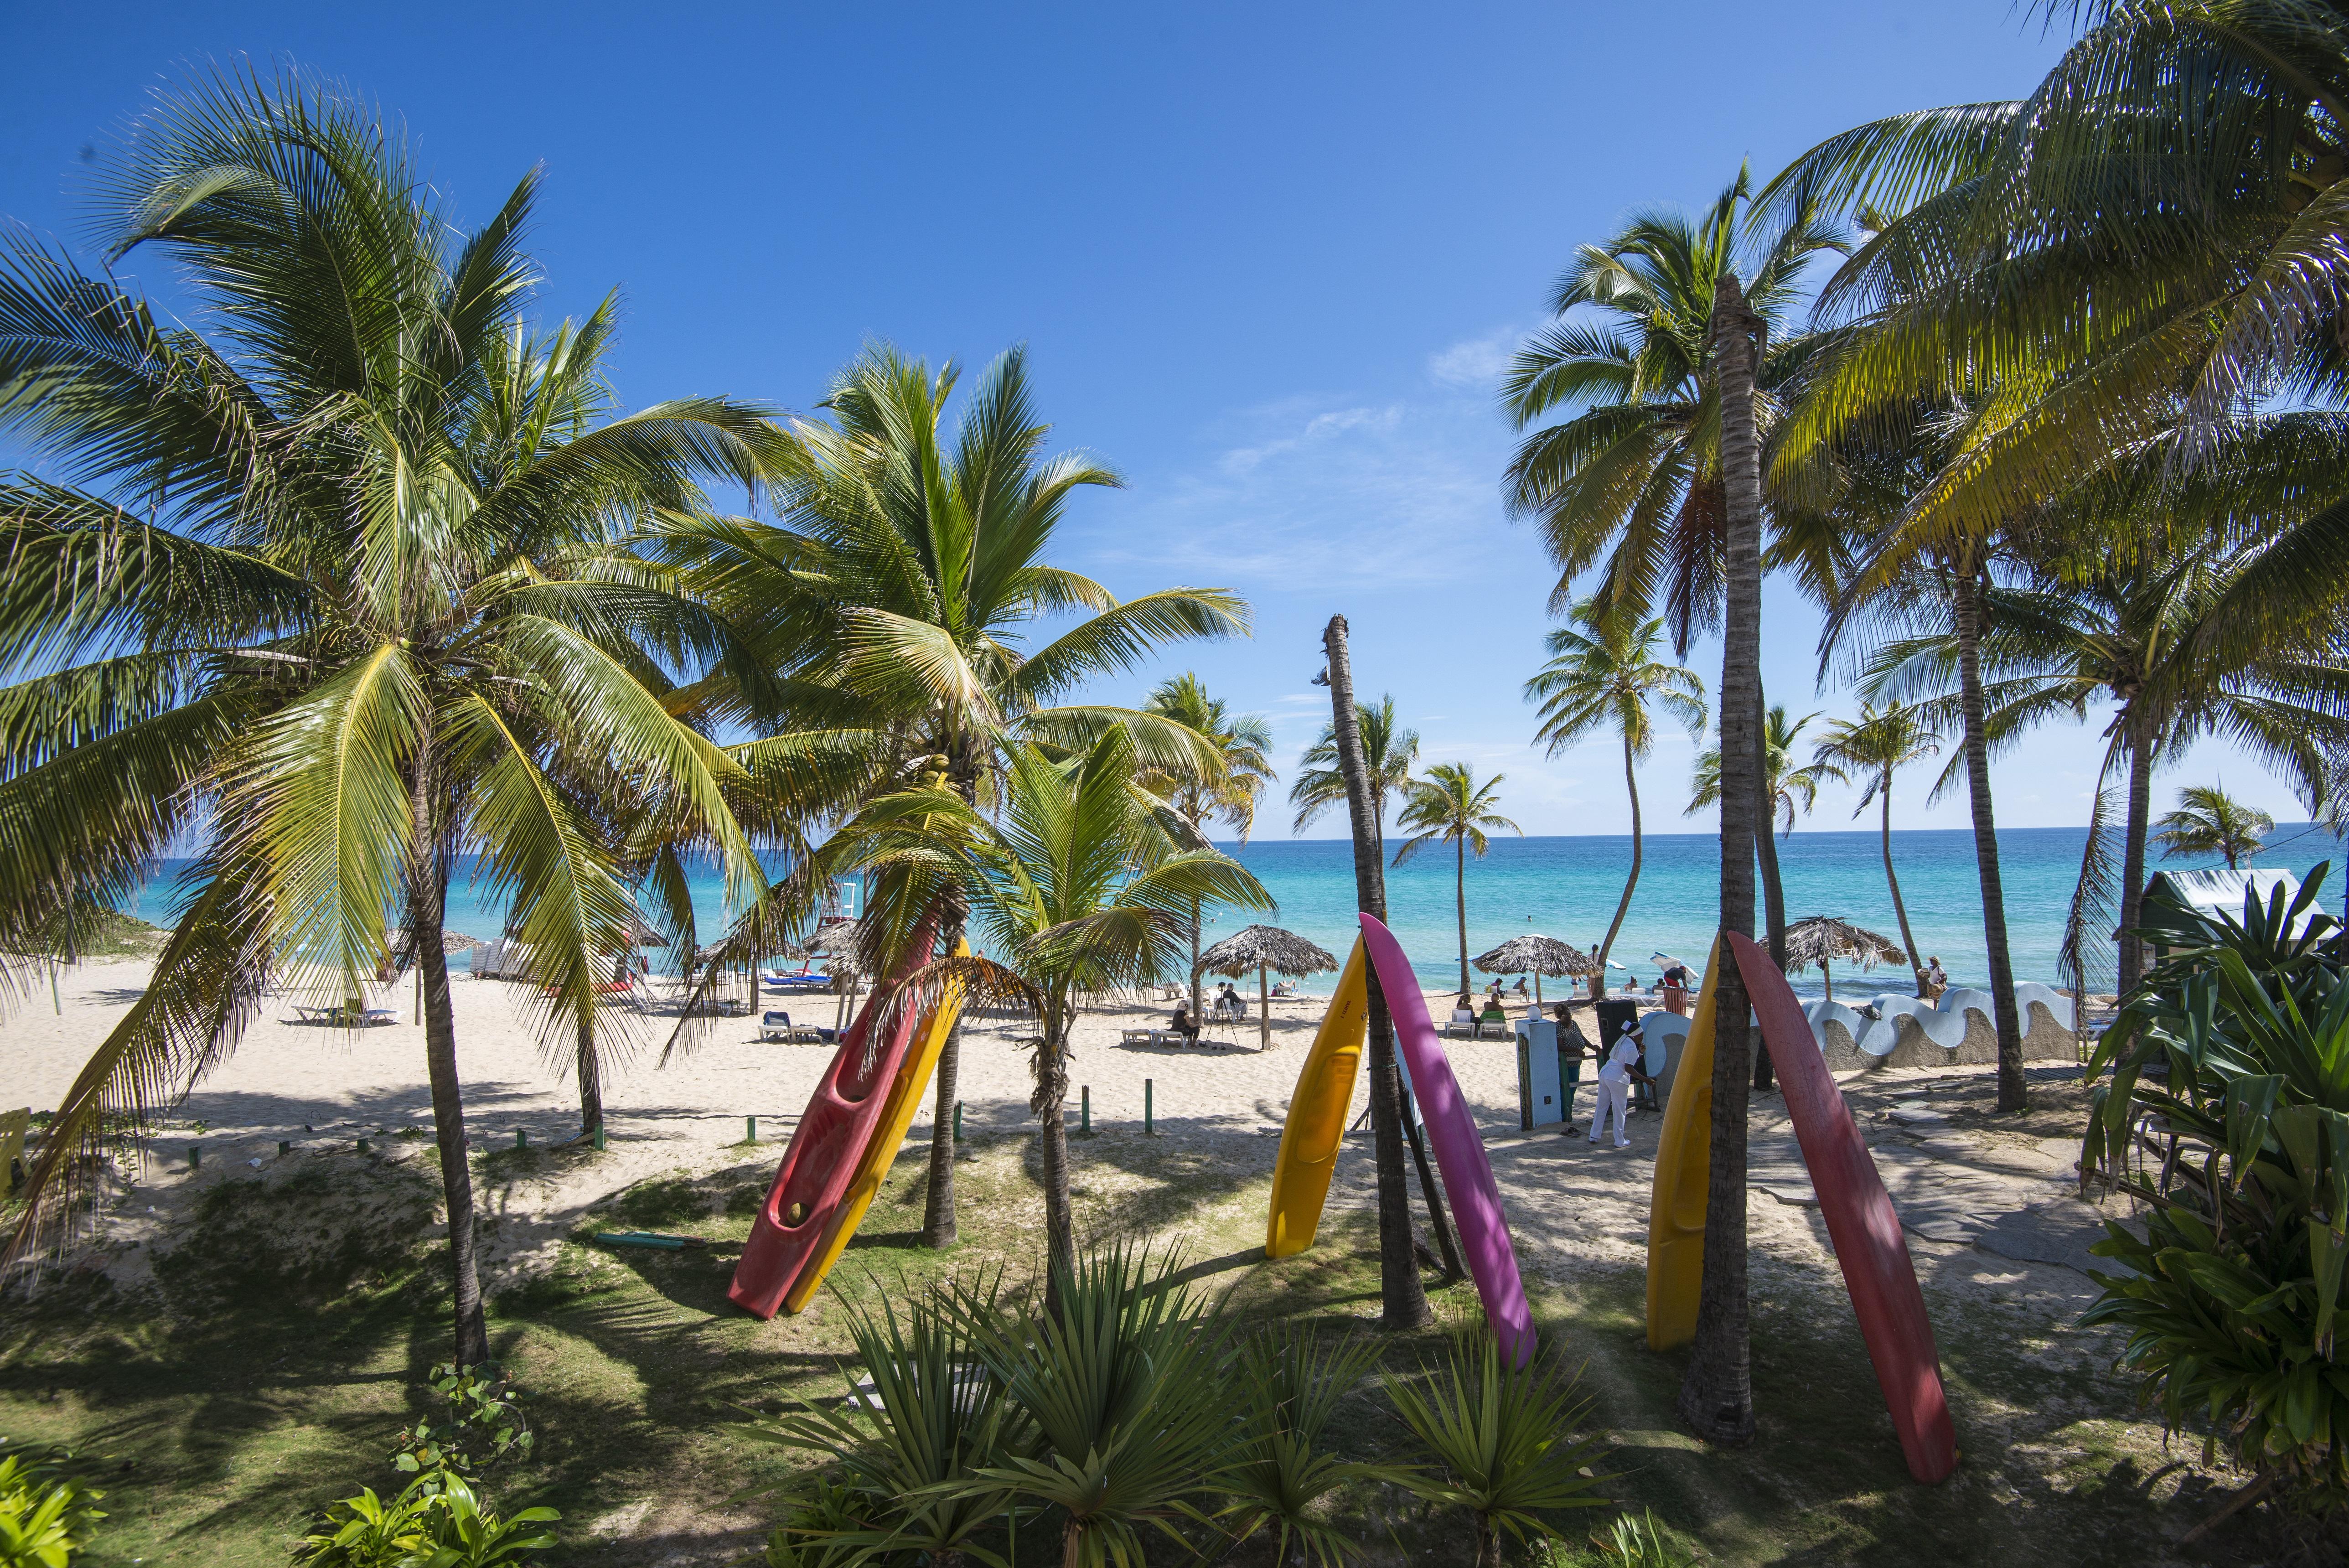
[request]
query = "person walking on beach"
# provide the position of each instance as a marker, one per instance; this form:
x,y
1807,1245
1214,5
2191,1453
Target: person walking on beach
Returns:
x,y
1937,980
1615,1085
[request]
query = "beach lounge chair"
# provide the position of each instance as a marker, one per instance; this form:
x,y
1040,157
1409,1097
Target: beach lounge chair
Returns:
x,y
779,1026
1463,1022
1143,1036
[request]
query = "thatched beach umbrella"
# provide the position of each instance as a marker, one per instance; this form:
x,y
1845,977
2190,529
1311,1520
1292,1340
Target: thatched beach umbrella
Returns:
x,y
1264,948
1536,955
1822,939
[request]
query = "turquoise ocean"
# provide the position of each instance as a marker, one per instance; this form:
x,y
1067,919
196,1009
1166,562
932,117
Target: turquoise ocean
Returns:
x,y
1567,887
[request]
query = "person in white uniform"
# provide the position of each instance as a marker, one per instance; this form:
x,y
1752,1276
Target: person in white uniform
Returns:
x,y
1615,1085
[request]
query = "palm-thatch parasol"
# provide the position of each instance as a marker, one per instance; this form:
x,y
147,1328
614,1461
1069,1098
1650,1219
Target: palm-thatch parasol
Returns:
x,y
1264,948
1822,939
1536,955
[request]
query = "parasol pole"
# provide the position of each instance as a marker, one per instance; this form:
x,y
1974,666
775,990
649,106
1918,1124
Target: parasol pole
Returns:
x,y
1263,1009
1827,976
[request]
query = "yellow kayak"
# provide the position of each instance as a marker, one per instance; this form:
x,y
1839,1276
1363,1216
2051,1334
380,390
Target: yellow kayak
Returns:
x,y
905,1093
1676,1203
1316,1127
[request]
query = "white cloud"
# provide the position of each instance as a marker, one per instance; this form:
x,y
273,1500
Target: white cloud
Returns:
x,y
1319,427
1475,364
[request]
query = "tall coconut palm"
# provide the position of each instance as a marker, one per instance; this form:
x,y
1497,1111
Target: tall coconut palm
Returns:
x,y
1716,1396
884,613
1073,882
1631,480
332,587
2210,822
2124,626
2142,251
1874,747
1241,741
1448,806
1390,752
1603,670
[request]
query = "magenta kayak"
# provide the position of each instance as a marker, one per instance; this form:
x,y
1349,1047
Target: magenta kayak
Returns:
x,y
1484,1242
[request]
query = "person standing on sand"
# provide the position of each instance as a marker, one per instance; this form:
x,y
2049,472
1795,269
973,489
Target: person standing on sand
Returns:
x,y
1615,1085
1572,1048
1937,980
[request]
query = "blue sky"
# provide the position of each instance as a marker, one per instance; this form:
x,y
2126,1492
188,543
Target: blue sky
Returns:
x,y
1267,260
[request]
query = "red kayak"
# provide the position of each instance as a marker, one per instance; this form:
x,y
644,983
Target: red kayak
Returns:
x,y
1877,1269
825,1150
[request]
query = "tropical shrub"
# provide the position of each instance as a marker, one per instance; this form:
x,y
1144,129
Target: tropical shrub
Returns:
x,y
1290,1384
827,1524
1641,1542
1501,1437
48,1512
2239,1040
438,1523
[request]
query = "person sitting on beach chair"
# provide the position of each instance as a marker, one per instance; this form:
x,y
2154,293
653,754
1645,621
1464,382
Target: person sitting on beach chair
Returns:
x,y
1182,1024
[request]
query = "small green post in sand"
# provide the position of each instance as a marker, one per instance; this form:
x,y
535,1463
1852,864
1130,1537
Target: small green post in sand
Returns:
x,y
1145,1106
1084,1108
749,1130
363,1148
195,1156
599,1140
521,1138
285,1146
957,1132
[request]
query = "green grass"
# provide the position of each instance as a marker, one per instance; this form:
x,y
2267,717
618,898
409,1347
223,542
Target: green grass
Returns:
x,y
282,1350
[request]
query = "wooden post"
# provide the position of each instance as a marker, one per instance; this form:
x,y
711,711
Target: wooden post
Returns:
x,y
1146,1108
1263,1009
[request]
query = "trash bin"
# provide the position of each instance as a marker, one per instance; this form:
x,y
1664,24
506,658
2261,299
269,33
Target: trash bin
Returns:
x,y
1539,1099
1613,1014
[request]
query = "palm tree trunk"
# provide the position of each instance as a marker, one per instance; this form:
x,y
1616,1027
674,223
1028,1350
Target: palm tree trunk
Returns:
x,y
2012,1093
1623,904
427,895
2141,808
1403,1300
1899,910
1195,1000
1716,1396
591,1081
1460,903
938,1202
1774,894
1051,1096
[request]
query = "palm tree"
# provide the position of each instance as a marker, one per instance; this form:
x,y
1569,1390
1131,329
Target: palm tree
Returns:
x,y
1389,754
1874,745
1632,478
2210,822
336,591
1448,806
1240,741
1716,1396
1787,791
2128,627
1403,1300
1075,881
2142,252
1603,669
885,611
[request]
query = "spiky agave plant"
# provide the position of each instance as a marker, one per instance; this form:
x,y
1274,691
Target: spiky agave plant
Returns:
x,y
1290,1381
1503,1438
913,1440
1128,1386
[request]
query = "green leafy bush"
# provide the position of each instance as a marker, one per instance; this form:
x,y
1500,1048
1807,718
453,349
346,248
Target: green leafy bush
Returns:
x,y
1501,1437
1278,1475
1641,1542
438,1523
2239,1040
47,1514
484,1425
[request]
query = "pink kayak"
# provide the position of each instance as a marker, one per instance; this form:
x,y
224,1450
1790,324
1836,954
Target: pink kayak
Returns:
x,y
1484,1242
1877,1269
